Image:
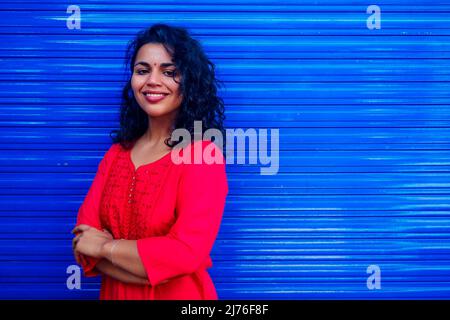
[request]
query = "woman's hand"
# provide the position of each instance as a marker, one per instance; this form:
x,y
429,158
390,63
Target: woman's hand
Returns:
x,y
89,241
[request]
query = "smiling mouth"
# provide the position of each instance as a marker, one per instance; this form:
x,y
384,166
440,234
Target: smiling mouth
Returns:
x,y
154,97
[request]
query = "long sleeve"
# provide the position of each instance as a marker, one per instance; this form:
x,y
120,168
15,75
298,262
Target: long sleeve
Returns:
x,y
201,194
88,212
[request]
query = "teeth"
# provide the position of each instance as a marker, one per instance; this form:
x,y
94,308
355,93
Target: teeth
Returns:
x,y
154,94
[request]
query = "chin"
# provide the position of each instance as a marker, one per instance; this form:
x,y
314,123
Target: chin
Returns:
x,y
156,111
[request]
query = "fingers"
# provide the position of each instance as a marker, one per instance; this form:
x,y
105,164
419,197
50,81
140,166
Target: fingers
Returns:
x,y
75,253
108,233
75,241
81,228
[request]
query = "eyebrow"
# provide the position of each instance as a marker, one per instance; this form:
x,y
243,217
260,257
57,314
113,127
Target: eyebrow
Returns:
x,y
164,64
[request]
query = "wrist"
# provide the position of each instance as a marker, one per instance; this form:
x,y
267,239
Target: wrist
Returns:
x,y
106,249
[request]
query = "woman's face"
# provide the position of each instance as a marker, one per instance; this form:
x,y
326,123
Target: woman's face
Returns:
x,y
153,83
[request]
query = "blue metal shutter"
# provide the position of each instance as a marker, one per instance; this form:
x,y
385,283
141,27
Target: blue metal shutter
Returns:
x,y
364,131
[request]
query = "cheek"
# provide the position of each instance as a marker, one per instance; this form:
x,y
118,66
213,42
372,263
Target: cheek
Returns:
x,y
175,87
136,83
177,97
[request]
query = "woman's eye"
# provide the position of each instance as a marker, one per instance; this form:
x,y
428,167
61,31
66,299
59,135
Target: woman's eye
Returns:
x,y
170,73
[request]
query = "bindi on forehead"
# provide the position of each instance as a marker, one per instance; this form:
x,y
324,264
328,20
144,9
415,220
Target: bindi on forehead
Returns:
x,y
154,56
155,64
151,61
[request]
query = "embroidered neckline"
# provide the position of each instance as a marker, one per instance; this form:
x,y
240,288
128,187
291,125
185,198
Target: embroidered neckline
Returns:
x,y
161,159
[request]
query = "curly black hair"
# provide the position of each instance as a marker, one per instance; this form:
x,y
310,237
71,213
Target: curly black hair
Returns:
x,y
198,86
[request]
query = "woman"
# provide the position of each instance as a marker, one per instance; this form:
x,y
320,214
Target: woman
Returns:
x,y
147,225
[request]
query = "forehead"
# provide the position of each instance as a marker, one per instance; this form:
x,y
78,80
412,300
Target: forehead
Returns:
x,y
153,53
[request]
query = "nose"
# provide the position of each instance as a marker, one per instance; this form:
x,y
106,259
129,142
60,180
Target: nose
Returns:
x,y
153,79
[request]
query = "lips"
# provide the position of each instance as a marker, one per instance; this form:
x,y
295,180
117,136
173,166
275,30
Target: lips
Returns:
x,y
154,97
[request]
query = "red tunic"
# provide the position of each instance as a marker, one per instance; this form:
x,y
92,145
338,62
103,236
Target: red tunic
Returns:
x,y
173,211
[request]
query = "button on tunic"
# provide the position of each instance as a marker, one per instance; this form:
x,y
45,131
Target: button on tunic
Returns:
x,y
174,212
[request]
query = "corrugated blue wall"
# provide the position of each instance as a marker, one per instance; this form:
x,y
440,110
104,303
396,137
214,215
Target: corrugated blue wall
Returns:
x,y
364,141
